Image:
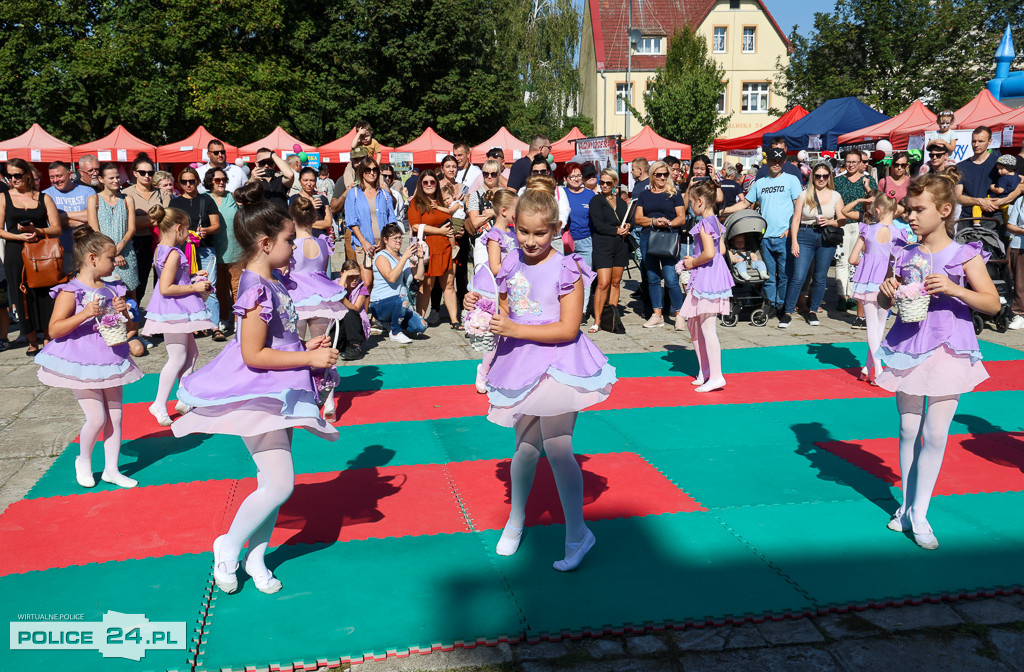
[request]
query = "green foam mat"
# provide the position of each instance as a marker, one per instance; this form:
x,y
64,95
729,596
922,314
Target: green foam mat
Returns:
x,y
366,597
841,553
676,568
168,589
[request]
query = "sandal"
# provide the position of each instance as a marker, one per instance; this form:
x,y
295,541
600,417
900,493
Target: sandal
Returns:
x,y
32,353
219,336
458,327
202,333
594,329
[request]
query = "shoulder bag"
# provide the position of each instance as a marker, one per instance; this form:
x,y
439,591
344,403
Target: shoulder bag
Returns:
x,y
664,242
43,264
831,236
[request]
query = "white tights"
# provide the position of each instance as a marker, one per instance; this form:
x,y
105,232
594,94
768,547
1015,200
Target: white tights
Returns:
x,y
704,334
102,410
314,326
182,353
924,428
255,519
875,317
553,436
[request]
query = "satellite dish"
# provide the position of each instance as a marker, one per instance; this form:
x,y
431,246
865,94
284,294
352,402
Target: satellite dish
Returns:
x,y
634,37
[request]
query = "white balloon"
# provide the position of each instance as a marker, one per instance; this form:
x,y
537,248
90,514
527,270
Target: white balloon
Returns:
x,y
801,155
239,162
884,146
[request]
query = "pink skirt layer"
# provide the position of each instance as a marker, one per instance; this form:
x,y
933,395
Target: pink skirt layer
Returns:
x,y
152,327
942,374
48,377
549,398
694,306
247,418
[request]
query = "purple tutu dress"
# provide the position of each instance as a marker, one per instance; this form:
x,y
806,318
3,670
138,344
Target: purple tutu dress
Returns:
x,y
315,294
229,397
543,379
175,314
82,360
507,241
710,287
938,356
874,261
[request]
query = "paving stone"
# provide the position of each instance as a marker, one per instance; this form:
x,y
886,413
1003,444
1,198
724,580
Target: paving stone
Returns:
x,y
782,659
600,648
540,651
13,403
910,652
1010,645
844,626
743,636
443,660
21,481
627,665
700,639
31,438
989,611
912,617
645,645
799,631
9,467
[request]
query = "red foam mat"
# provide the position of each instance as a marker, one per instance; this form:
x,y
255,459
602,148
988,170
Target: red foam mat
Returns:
x,y
185,518
973,463
615,485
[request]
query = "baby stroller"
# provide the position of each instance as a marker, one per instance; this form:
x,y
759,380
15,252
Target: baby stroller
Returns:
x,y
747,295
986,230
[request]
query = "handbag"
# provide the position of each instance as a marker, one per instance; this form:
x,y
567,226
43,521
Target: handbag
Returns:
x,y
611,320
831,236
664,243
568,244
43,264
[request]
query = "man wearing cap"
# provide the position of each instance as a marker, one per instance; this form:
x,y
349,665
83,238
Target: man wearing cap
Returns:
x,y
852,185
787,167
938,155
776,194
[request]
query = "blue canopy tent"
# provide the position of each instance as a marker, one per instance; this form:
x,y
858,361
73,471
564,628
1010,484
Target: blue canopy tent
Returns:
x,y
820,130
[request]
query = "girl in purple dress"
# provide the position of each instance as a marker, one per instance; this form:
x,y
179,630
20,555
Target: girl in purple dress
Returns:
x,y
259,387
544,370
871,255
317,298
78,358
176,309
709,290
932,362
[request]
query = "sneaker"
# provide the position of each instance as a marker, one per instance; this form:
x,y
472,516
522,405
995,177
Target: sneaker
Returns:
x,y
376,328
812,319
1016,323
655,321
784,321
400,338
859,323
352,353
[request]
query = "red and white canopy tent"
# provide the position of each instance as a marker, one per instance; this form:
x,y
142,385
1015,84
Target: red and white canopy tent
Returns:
x,y
564,149
752,141
982,106
337,151
653,147
192,149
1014,118
514,147
119,145
914,120
35,145
279,141
428,149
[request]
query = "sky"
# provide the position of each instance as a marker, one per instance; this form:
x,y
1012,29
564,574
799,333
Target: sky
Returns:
x,y
788,12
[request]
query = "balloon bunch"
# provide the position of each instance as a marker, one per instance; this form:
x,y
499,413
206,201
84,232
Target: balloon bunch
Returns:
x,y
297,148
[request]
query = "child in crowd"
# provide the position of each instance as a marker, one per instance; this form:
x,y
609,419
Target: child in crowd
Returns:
x,y
176,309
499,241
709,291
355,324
871,255
79,358
544,370
945,135
930,363
259,387
744,260
1008,180
317,298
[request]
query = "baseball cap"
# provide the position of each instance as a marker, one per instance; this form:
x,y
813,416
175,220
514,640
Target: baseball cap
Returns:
x,y
776,154
359,152
1008,160
589,171
936,145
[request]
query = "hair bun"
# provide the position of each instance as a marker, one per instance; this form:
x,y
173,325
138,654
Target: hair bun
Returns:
x,y
81,233
249,194
157,213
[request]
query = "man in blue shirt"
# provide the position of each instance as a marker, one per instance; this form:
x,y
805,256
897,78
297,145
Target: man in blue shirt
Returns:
x,y
776,195
70,198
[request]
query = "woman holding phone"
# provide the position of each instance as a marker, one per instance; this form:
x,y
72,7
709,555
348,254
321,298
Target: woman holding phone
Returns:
x,y
204,219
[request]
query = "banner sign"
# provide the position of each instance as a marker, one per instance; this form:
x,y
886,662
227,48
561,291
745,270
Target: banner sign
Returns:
x,y
602,150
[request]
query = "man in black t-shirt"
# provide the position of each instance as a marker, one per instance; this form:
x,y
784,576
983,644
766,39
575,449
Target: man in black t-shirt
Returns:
x,y
978,174
520,171
276,174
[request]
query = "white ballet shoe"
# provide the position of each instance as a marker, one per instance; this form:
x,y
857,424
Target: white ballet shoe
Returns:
x,y
330,411
712,385
899,521
160,414
509,542
923,535
481,379
699,380
262,578
574,553
118,479
83,473
223,573
181,408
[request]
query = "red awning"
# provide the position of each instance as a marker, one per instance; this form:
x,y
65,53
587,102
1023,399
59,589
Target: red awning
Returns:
x,y
914,120
337,151
428,149
1013,118
192,149
982,106
504,139
653,147
753,140
120,146
35,145
279,140
562,149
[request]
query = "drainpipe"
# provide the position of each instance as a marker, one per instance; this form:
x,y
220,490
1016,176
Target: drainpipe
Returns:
x,y
604,102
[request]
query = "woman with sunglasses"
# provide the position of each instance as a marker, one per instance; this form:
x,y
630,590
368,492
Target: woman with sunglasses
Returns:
x,y
820,205
426,209
227,248
204,220
661,207
28,215
145,195
611,253
897,180
398,194
369,207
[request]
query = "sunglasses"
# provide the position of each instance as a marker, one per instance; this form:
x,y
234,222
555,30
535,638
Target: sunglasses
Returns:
x,y
900,165
371,170
662,175
488,173
821,176
218,151
15,176
387,175
220,180
144,173
940,152
540,172
186,182
265,163
606,183
428,183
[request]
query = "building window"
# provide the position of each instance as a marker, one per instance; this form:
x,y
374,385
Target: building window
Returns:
x,y
649,46
755,97
749,40
720,104
623,92
734,4
718,43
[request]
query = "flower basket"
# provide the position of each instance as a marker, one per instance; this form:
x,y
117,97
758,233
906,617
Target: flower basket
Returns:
x,y
911,299
478,320
112,325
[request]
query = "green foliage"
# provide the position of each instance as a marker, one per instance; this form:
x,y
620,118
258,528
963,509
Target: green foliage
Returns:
x,y
890,52
682,99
